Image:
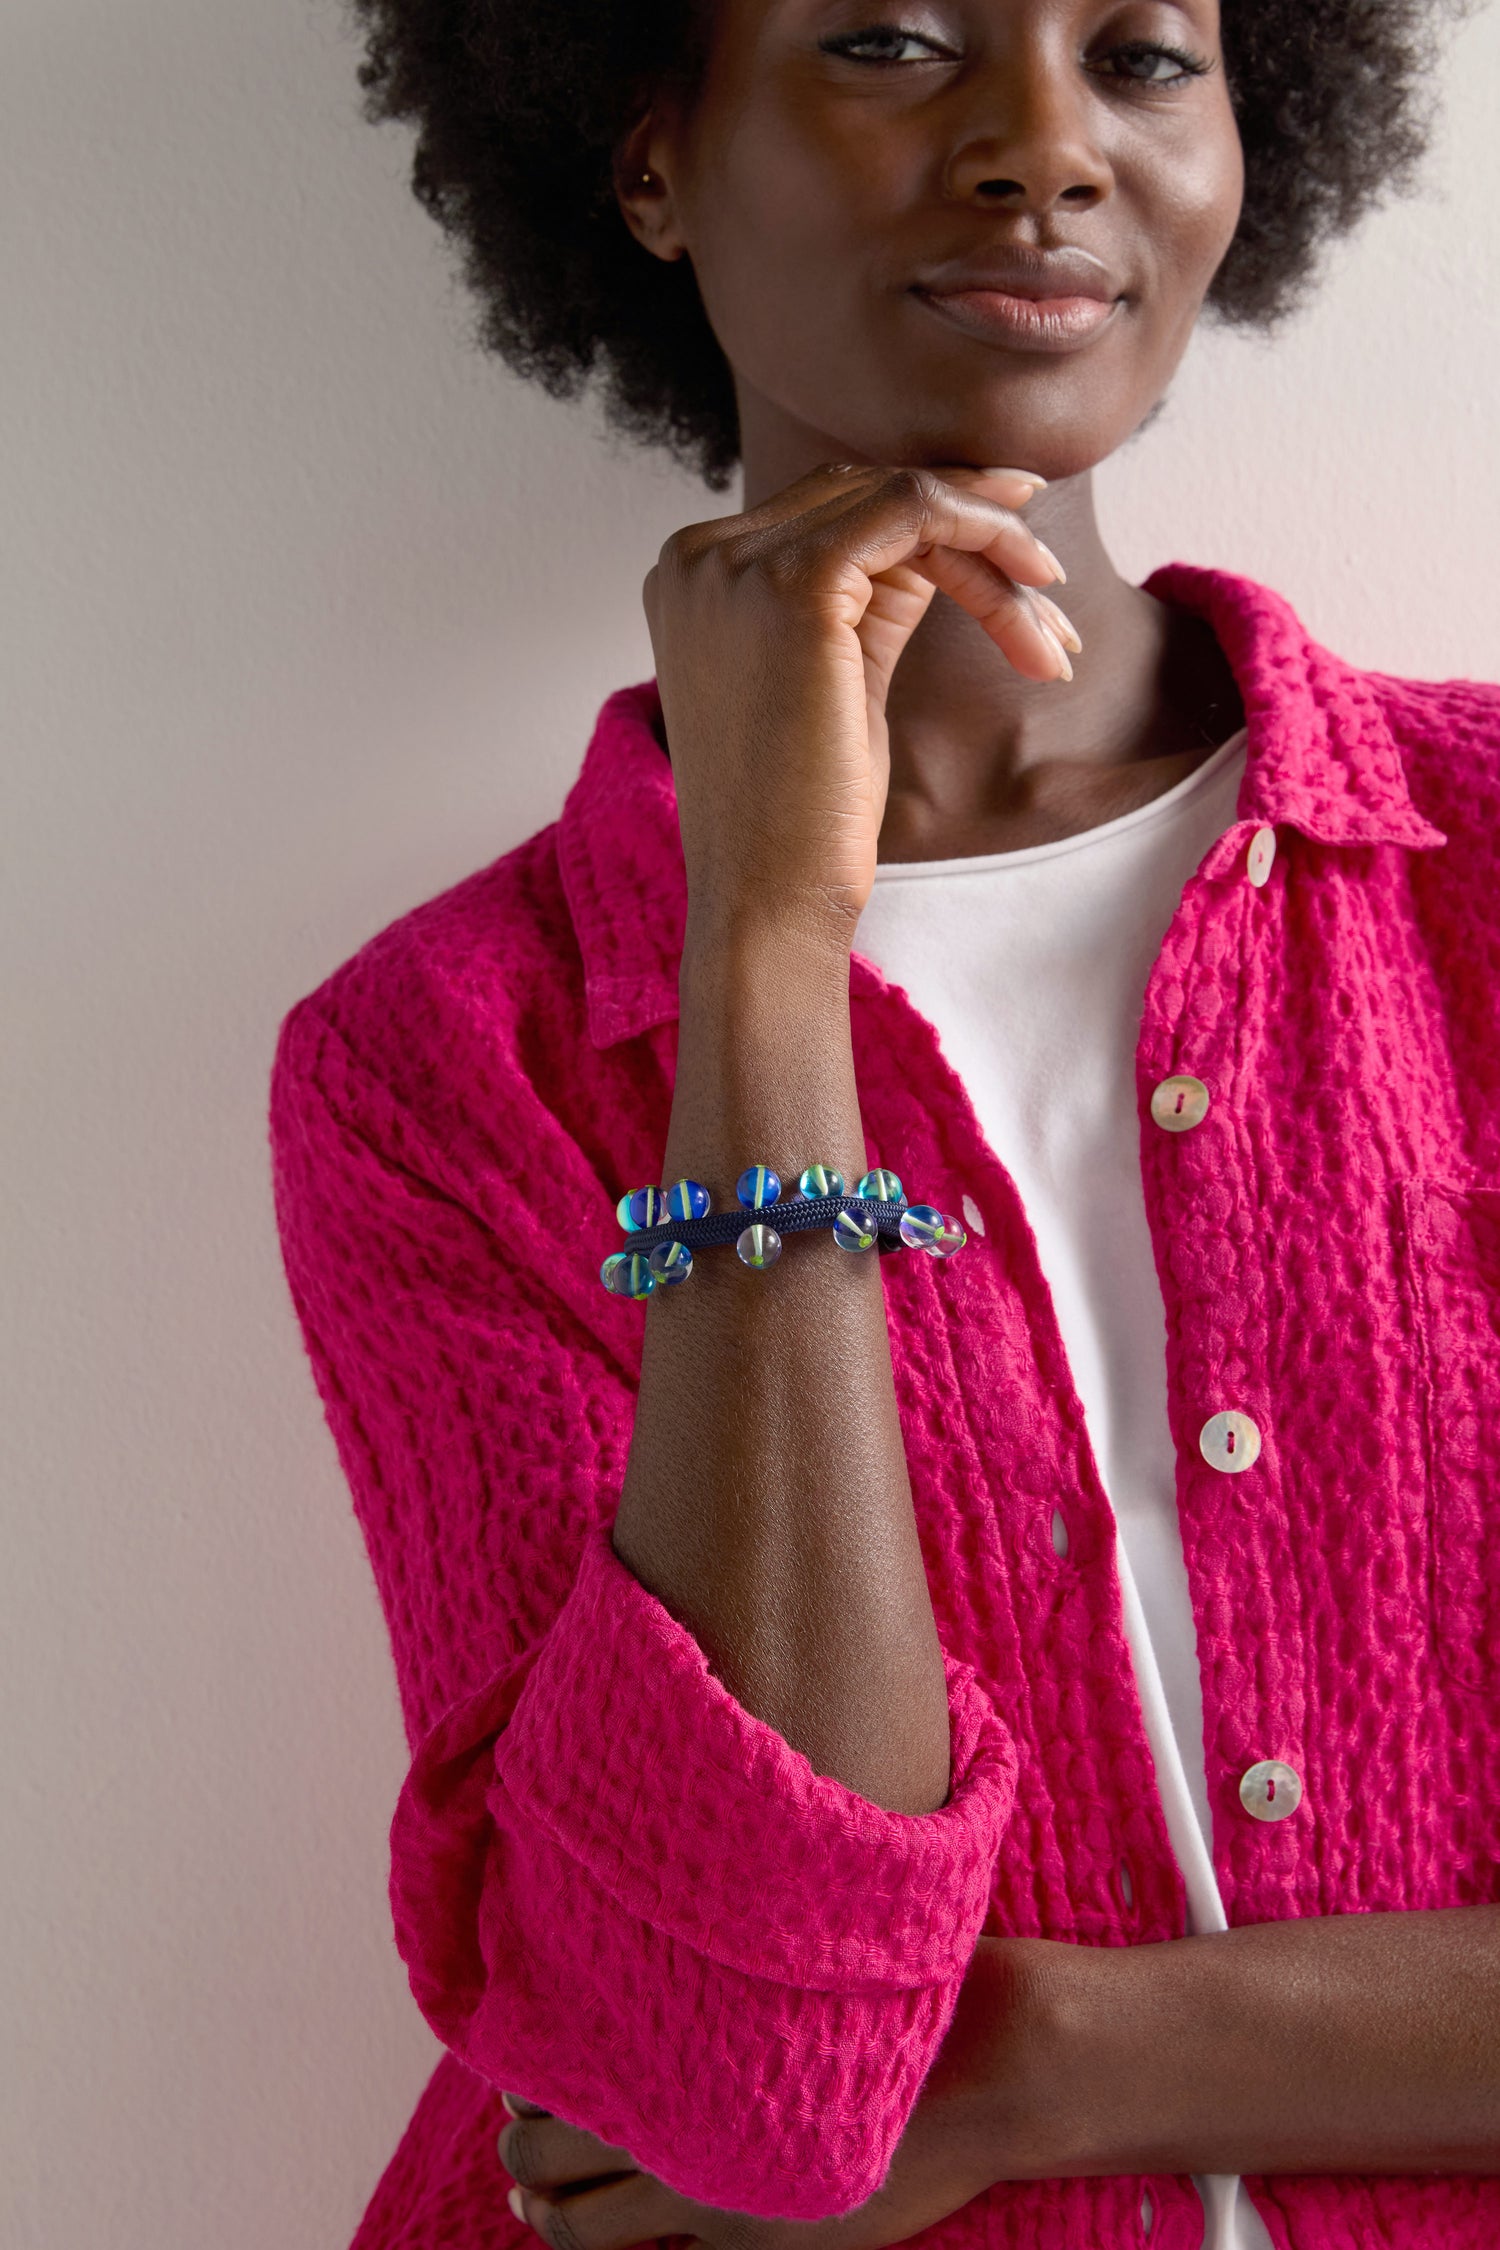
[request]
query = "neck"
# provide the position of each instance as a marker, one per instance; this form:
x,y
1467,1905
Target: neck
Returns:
x,y
983,760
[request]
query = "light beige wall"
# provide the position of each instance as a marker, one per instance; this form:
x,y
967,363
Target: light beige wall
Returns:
x,y
306,610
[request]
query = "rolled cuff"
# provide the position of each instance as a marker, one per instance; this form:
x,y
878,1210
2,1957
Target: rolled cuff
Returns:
x,y
701,1819
621,1895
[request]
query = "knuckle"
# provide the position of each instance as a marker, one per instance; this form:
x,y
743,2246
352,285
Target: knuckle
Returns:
x,y
684,549
672,557
740,2233
786,567
917,488
557,2229
731,558
521,2154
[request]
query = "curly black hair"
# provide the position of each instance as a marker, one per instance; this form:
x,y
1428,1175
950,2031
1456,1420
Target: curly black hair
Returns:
x,y
519,108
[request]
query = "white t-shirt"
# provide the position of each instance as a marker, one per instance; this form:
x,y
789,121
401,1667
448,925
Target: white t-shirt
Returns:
x,y
1032,968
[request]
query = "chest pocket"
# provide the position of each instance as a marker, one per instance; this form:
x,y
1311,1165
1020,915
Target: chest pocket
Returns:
x,y
1453,1235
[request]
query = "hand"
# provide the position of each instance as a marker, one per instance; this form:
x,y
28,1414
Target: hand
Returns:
x,y
776,633
972,2125
581,2194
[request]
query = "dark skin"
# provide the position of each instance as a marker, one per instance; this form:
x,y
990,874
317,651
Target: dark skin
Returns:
x,y
809,189
871,638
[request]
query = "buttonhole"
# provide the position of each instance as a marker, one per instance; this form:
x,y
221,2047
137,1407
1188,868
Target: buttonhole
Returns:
x,y
1127,1887
1148,2212
1059,1535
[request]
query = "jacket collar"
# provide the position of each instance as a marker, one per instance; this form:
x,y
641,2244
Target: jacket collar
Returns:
x,y
1320,757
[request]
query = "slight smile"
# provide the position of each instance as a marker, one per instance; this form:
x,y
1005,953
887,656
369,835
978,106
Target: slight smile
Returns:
x,y
1041,324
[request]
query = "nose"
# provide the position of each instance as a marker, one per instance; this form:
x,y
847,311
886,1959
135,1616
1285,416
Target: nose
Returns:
x,y
1027,141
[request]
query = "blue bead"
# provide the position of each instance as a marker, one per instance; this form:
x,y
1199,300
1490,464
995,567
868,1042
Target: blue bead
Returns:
x,y
882,1187
921,1226
759,1245
818,1180
687,1199
757,1186
671,1262
641,1208
952,1238
852,1231
627,1274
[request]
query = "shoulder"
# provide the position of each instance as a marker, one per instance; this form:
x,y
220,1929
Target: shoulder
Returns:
x,y
445,1014
1447,733
1440,712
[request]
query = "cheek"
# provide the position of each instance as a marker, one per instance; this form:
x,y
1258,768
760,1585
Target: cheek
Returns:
x,y
1213,196
1187,213
782,250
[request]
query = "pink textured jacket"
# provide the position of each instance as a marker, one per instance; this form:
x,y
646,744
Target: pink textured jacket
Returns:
x,y
616,1891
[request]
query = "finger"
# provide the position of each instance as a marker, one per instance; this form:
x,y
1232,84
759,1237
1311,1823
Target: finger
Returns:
x,y
879,525
838,480
543,2152
637,2209
1008,613
910,507
1062,625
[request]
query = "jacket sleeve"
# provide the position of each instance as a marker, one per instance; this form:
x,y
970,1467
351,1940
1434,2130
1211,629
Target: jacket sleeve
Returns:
x,y
616,1891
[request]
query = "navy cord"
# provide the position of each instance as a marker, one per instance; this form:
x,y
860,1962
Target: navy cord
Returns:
x,y
794,1214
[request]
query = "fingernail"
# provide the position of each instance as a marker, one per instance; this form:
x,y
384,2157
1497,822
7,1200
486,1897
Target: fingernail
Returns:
x,y
1038,484
1048,556
516,2209
1062,625
1066,672
509,2106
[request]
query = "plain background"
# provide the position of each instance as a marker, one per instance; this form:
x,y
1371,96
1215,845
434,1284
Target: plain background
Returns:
x,y
307,609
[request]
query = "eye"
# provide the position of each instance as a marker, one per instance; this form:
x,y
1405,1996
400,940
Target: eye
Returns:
x,y
1150,53
883,43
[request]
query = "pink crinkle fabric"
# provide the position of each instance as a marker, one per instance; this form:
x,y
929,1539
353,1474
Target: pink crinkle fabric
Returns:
x,y
615,1890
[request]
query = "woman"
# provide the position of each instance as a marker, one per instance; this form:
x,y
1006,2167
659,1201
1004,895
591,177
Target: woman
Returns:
x,y
849,1701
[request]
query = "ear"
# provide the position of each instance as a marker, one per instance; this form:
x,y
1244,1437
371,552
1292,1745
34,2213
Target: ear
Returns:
x,y
645,165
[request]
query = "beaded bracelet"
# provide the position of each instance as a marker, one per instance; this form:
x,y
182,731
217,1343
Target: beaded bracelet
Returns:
x,y
666,1225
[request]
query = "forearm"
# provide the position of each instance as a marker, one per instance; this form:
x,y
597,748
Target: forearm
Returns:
x,y
766,1500
1349,2043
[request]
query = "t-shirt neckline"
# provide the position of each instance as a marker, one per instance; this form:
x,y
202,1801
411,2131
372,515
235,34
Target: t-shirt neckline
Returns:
x,y
899,870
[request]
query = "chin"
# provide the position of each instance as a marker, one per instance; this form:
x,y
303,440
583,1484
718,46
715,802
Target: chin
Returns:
x,y
993,433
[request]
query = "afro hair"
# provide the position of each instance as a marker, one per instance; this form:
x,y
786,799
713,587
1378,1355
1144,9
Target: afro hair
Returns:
x,y
519,108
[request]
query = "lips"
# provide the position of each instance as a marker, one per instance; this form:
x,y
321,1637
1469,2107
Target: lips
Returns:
x,y
1038,275
1049,301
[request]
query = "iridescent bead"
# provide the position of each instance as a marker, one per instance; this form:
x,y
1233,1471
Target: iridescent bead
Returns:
x,y
952,1238
671,1262
921,1226
687,1199
641,1208
627,1274
852,1231
882,1187
759,1245
818,1180
757,1186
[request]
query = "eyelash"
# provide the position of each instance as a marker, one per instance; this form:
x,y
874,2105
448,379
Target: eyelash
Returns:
x,y
1190,66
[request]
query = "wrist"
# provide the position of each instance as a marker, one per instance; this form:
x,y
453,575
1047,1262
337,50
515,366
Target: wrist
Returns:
x,y
1054,2058
765,946
765,1061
